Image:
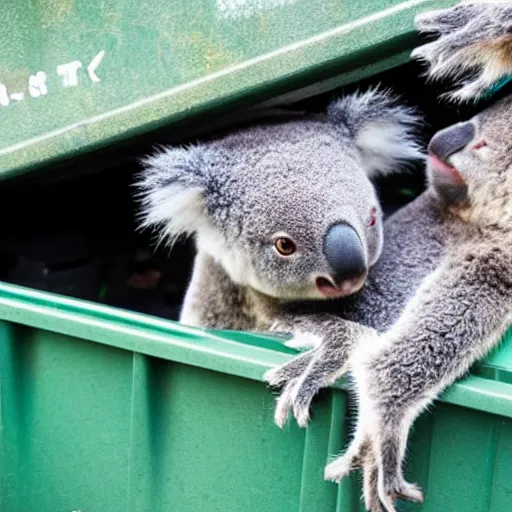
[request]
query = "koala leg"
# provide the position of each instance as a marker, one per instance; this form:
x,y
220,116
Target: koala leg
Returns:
x,y
303,376
457,316
357,451
359,455
378,446
389,441
475,43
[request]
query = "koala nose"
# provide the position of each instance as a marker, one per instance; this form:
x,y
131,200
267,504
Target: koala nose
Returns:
x,y
450,140
344,253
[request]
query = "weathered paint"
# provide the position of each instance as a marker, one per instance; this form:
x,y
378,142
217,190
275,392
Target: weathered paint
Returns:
x,y
75,76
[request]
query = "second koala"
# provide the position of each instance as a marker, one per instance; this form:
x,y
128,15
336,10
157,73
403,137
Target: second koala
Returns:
x,y
282,213
440,295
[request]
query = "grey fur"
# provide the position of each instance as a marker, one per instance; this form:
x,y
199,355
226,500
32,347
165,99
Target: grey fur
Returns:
x,y
298,177
440,297
474,45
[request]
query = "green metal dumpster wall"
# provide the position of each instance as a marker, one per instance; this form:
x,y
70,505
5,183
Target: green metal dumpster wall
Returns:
x,y
105,410
77,75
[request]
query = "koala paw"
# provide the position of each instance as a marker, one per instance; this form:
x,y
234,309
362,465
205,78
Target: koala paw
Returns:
x,y
474,44
380,488
301,380
371,496
288,377
294,397
281,375
399,490
341,467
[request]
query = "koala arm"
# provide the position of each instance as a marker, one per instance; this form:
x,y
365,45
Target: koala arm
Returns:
x,y
474,45
212,299
302,377
458,314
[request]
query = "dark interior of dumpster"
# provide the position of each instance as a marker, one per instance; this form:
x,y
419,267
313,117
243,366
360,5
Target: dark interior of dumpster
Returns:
x,y
71,228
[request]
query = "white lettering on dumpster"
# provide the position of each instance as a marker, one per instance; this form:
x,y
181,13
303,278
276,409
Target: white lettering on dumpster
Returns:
x,y
37,84
17,96
93,66
4,96
69,73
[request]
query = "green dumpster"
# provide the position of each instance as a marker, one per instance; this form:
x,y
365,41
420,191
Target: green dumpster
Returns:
x,y
80,75
107,410
104,409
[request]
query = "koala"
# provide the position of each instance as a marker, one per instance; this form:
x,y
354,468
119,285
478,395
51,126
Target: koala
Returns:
x,y
474,46
438,299
283,213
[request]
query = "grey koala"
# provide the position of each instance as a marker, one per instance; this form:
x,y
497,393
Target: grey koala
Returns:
x,y
439,298
283,213
474,45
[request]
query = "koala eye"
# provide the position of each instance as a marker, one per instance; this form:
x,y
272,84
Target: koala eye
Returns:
x,y
373,217
479,145
285,246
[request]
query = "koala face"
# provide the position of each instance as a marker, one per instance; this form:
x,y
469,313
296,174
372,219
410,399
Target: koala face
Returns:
x,y
470,165
286,208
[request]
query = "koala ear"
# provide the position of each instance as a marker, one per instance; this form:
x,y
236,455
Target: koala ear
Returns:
x,y
171,190
383,129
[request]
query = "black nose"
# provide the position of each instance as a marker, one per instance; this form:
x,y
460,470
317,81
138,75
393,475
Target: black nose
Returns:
x,y
344,252
450,140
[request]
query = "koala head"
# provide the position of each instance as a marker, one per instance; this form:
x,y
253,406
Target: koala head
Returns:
x,y
286,208
470,166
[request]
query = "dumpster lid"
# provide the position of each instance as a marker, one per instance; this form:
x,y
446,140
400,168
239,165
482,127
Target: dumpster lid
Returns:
x,y
82,78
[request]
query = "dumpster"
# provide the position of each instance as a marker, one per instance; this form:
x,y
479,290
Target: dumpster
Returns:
x,y
106,404
77,76
105,409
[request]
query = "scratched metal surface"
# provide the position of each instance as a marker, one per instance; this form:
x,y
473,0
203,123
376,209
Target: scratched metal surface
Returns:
x,y
78,75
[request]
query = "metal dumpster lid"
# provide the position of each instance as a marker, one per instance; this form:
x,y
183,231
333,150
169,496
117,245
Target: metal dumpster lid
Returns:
x,y
78,77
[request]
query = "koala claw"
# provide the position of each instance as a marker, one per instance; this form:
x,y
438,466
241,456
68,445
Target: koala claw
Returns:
x,y
291,398
409,491
400,489
275,377
301,407
370,480
283,405
288,376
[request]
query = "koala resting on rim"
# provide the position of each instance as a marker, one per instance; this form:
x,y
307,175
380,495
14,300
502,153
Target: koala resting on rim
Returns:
x,y
284,214
444,278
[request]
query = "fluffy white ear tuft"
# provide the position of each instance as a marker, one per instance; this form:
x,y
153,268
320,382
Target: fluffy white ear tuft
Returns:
x,y
383,129
171,192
